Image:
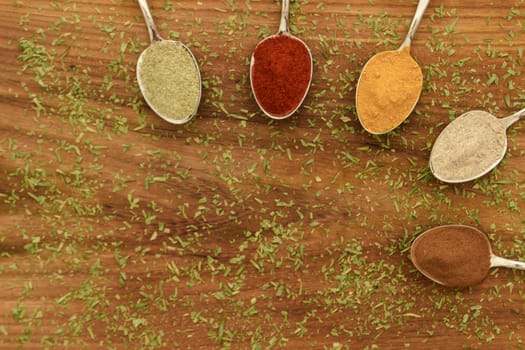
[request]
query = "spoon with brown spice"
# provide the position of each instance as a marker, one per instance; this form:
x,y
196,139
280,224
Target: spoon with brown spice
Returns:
x,y
456,256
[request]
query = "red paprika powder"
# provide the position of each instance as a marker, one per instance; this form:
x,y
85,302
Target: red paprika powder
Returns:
x,y
281,72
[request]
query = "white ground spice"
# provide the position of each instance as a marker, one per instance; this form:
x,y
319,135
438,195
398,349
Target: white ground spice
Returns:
x,y
170,80
468,146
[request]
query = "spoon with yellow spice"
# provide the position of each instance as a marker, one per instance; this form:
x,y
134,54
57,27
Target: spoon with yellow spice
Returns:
x,y
390,84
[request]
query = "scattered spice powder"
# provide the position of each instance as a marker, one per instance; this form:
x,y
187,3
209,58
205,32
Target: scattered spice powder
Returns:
x,y
468,147
388,90
170,80
281,72
454,255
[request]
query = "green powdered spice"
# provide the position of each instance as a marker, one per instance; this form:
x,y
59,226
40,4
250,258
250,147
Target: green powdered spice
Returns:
x,y
170,80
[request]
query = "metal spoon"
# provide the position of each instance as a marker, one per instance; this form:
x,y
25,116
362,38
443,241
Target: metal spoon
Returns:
x,y
283,30
155,38
491,261
420,10
454,131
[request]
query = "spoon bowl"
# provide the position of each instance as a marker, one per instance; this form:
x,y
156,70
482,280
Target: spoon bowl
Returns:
x,y
378,108
456,255
275,97
458,155
171,91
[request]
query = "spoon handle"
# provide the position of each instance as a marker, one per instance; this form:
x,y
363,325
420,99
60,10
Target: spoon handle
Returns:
x,y
511,119
420,10
285,12
152,29
497,261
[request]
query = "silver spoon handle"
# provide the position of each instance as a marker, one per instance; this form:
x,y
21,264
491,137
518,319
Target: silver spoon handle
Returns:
x,y
152,29
511,119
420,10
497,261
285,13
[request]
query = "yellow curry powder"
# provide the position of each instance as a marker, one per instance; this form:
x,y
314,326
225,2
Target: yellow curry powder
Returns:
x,y
388,90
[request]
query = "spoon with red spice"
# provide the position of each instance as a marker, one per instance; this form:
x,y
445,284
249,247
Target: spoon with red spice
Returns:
x,y
281,71
456,256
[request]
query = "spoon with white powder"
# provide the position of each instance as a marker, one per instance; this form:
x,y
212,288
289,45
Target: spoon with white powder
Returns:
x,y
470,146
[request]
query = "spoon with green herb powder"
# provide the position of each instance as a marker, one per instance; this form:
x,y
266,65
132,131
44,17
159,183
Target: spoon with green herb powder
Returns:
x,y
470,146
168,75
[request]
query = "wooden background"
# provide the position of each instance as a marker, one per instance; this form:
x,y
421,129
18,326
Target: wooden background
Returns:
x,y
121,231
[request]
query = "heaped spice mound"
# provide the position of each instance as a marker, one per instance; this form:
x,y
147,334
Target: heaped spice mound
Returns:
x,y
468,147
280,74
455,256
388,90
170,80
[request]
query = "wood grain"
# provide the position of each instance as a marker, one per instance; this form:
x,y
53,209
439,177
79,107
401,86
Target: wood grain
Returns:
x,y
119,230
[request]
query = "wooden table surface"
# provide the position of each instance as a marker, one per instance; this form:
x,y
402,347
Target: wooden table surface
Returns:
x,y
121,231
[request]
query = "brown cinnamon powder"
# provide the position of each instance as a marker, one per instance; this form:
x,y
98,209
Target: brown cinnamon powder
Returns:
x,y
454,255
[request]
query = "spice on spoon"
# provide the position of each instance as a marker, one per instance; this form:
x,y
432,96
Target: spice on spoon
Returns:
x,y
388,90
170,80
281,74
453,255
281,70
390,84
168,75
468,147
